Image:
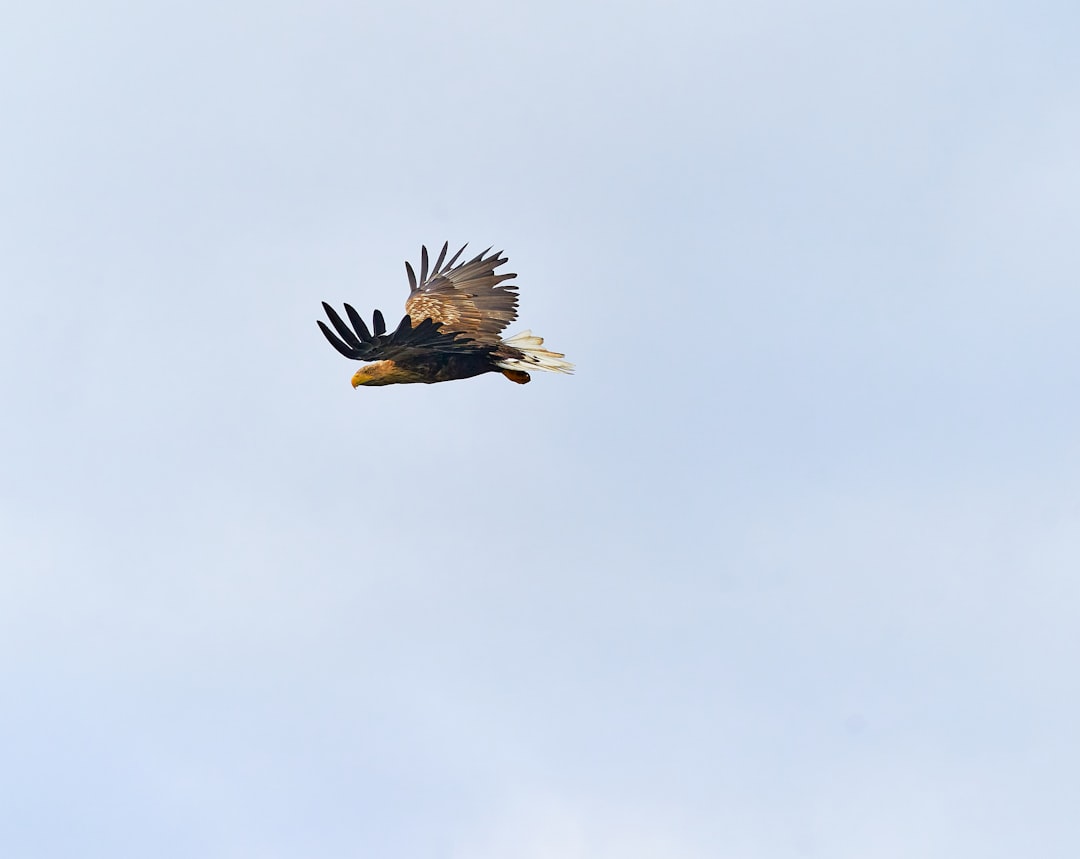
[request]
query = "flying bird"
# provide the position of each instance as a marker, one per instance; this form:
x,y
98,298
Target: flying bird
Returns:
x,y
453,318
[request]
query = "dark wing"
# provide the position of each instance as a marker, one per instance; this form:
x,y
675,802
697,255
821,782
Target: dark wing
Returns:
x,y
468,299
403,343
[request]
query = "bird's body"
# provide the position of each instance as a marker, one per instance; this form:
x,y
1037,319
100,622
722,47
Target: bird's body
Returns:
x,y
451,329
437,367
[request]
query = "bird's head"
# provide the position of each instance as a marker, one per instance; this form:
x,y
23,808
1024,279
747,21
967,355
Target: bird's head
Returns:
x,y
382,373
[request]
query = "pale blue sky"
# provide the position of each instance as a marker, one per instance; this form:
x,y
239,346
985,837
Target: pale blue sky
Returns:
x,y
788,569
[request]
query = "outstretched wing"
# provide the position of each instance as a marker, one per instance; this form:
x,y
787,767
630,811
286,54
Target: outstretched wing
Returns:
x,y
468,299
403,343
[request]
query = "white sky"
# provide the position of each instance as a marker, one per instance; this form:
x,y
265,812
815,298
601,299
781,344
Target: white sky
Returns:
x,y
789,568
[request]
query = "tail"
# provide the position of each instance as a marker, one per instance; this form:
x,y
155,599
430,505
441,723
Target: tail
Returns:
x,y
529,356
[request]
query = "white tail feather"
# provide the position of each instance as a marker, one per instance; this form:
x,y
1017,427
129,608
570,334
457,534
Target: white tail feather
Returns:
x,y
533,357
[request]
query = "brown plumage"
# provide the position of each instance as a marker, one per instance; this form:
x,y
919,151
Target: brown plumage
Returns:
x,y
454,316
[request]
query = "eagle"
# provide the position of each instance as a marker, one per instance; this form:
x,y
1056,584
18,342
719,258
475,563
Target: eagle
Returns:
x,y
453,318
